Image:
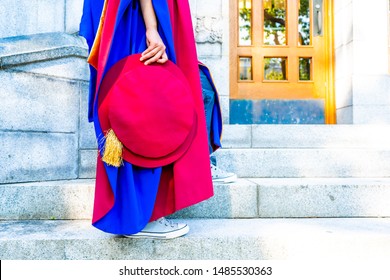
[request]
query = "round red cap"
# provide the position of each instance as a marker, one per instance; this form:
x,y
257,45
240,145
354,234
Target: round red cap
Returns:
x,y
150,108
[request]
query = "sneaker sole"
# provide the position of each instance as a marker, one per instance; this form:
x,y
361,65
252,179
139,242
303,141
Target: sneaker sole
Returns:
x,y
163,235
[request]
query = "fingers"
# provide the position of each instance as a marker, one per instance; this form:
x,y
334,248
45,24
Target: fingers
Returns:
x,y
154,53
163,59
152,50
158,57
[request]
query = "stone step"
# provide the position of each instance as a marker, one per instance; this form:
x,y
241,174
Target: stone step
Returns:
x,y
374,137
305,163
74,200
323,197
246,198
238,239
306,136
290,162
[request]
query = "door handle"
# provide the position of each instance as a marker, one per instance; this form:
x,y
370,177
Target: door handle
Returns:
x,y
318,18
319,21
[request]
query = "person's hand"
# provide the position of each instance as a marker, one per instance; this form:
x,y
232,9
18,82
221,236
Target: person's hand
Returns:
x,y
156,48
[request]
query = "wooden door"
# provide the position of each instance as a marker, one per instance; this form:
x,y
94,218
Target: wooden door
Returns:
x,y
282,50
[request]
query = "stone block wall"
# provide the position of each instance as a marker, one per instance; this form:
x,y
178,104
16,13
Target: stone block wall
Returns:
x,y
39,127
211,28
44,132
362,75
343,19
26,17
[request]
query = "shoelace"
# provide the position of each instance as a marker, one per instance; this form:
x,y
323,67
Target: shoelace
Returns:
x,y
166,222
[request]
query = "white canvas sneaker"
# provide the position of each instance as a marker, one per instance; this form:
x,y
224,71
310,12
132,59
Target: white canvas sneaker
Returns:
x,y
162,229
220,176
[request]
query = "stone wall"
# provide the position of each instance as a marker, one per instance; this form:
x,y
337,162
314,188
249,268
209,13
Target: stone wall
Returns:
x,y
26,17
344,59
44,132
211,26
362,77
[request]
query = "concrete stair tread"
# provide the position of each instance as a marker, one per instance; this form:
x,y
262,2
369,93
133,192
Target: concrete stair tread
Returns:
x,y
320,181
208,239
245,198
239,181
305,163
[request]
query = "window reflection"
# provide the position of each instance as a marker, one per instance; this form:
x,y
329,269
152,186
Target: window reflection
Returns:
x,y
245,69
304,23
245,22
305,68
275,68
275,14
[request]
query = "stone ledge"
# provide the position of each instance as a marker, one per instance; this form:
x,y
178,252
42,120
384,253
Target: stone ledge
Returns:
x,y
237,239
20,50
71,68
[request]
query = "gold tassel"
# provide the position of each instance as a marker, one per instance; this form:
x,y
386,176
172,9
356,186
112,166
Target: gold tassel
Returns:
x,y
112,154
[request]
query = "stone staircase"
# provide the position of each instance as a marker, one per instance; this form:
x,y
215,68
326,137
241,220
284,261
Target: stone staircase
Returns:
x,y
50,220
304,192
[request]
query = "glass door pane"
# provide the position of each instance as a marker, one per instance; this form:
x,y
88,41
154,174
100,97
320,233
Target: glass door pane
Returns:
x,y
245,69
245,22
275,68
304,23
305,68
275,17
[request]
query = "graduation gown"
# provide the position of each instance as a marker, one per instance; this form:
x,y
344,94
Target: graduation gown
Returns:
x,y
128,197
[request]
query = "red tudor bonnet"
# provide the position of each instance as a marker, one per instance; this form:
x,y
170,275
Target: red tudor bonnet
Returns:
x,y
149,109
